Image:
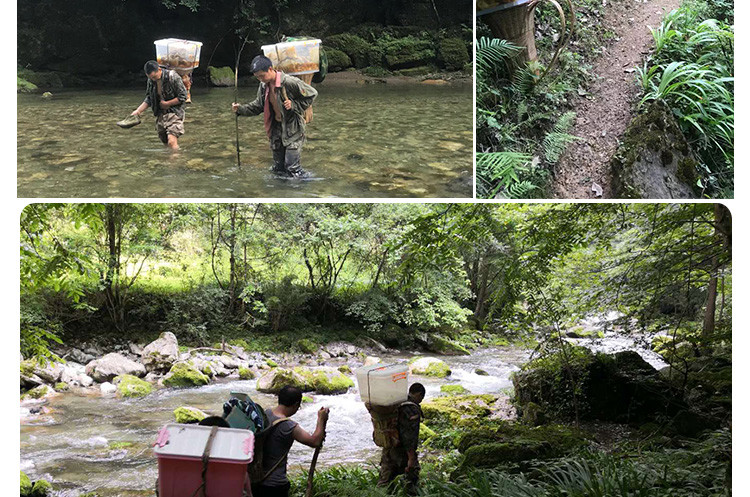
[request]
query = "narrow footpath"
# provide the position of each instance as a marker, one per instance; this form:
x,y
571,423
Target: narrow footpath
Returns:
x,y
605,113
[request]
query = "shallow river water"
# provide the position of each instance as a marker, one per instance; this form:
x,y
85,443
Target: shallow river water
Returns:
x,y
375,140
70,446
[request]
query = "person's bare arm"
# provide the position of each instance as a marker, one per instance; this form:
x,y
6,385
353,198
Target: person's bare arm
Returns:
x,y
317,436
144,105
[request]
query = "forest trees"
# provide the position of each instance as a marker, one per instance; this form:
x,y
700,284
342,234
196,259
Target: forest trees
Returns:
x,y
215,269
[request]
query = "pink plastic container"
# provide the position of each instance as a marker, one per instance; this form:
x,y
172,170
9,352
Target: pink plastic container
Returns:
x,y
179,449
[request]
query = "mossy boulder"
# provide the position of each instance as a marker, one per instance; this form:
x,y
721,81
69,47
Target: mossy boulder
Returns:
x,y
307,346
38,393
425,432
654,159
306,399
131,386
481,372
184,375
409,51
444,346
325,381
337,60
345,369
356,48
453,53
160,354
453,409
41,488
453,389
246,373
221,76
429,366
271,363
277,378
62,386
501,442
189,415
119,445
25,485
621,387
23,86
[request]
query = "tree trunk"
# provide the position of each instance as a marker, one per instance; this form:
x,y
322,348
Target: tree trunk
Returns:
x,y
723,234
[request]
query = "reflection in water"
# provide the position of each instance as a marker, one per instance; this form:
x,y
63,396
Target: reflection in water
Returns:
x,y
365,141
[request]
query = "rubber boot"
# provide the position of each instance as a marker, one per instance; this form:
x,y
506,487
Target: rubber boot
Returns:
x,y
292,162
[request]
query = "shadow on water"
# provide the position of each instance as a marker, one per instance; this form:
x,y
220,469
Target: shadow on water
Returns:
x,y
365,141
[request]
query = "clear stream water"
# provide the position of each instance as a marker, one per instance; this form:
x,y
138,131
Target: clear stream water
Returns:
x,y
69,446
375,140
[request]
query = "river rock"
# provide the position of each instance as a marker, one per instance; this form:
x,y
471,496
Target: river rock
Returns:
x,y
429,366
29,379
221,76
111,365
440,345
135,348
160,354
620,387
38,393
187,414
25,485
325,380
372,360
481,372
655,159
229,362
247,373
131,386
183,375
277,378
75,374
107,388
80,356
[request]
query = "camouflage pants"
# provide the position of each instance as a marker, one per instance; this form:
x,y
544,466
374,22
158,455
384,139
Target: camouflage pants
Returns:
x,y
169,124
286,160
393,463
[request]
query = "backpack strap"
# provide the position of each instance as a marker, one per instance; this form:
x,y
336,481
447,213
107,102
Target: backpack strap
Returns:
x,y
267,431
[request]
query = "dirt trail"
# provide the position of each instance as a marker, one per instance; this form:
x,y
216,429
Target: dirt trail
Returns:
x,y
603,116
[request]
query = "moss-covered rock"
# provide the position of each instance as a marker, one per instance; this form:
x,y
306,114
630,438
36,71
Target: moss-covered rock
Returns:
x,y
221,76
246,373
453,389
277,378
119,445
325,381
307,346
425,432
453,53
41,488
132,386
577,383
443,346
345,369
453,409
358,50
183,375
23,86
655,159
337,60
61,386
271,363
481,372
25,485
429,366
37,393
306,399
402,53
188,414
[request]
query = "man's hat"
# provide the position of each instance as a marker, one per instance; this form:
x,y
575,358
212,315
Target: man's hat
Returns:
x,y
260,63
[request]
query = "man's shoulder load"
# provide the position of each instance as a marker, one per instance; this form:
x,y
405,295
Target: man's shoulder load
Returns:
x,y
384,390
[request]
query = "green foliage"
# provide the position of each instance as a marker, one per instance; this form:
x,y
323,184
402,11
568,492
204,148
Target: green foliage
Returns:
x,y
337,60
692,69
355,47
453,53
408,51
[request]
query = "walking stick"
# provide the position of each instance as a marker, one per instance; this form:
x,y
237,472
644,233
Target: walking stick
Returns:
x,y
310,475
236,98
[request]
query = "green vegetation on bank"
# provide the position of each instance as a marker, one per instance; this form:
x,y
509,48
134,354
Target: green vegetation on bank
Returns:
x,y
692,70
524,118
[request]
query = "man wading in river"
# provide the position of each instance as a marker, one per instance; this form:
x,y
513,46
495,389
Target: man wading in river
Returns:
x,y
279,441
399,437
165,94
282,99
